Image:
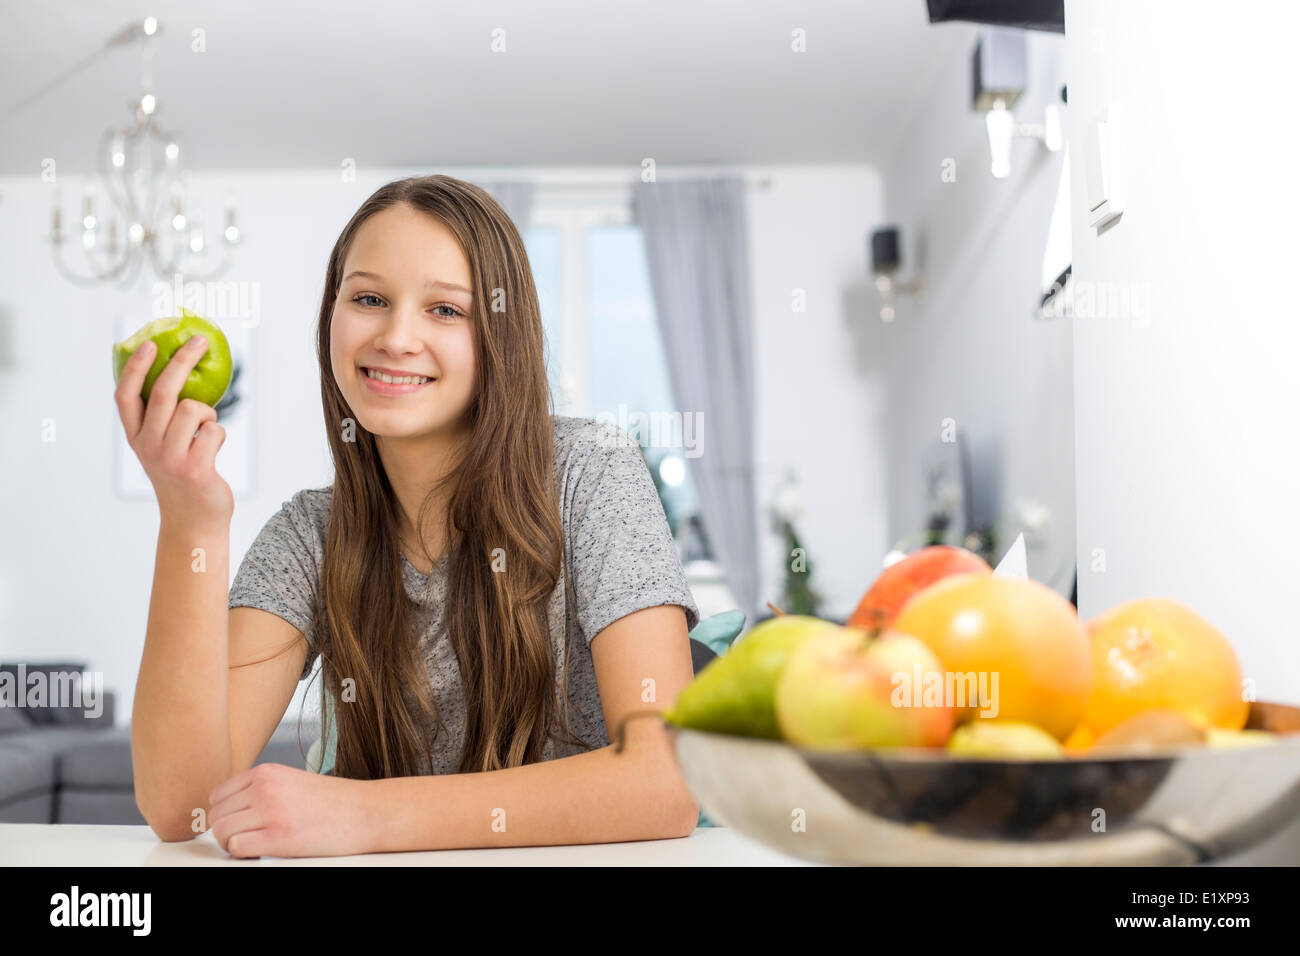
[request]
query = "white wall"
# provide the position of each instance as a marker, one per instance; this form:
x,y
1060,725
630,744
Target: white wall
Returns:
x,y
76,563
968,349
1185,423
1185,416
819,398
76,568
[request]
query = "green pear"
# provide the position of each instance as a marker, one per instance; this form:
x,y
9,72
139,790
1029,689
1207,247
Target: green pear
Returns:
x,y
1003,739
209,378
735,693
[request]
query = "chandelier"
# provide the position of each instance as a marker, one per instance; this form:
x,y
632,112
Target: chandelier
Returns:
x,y
143,213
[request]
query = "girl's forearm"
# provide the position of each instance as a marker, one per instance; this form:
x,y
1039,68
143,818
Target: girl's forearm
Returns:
x,y
180,724
595,797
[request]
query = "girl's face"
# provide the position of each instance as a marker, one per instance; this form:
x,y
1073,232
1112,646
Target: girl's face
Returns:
x,y
404,309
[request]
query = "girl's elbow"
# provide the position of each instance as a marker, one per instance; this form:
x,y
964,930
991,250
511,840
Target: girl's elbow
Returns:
x,y
168,827
686,820
171,831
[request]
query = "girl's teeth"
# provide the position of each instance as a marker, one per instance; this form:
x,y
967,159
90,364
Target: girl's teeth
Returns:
x,y
407,380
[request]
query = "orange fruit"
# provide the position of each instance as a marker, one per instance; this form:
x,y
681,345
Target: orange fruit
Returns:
x,y
1155,653
1024,638
1080,739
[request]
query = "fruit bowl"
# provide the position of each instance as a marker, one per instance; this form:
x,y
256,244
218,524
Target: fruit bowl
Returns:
x,y
904,807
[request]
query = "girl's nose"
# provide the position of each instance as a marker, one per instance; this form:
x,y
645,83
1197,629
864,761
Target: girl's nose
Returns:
x,y
399,332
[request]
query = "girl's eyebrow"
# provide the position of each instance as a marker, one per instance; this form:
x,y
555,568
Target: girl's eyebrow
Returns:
x,y
429,282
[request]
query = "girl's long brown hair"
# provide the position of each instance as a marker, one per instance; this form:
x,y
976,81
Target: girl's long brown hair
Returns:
x,y
501,494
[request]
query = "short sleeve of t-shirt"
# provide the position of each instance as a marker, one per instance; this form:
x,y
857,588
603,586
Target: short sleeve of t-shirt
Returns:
x,y
622,550
279,572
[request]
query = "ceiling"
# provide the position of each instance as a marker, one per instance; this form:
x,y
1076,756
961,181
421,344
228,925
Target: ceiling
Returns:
x,y
405,83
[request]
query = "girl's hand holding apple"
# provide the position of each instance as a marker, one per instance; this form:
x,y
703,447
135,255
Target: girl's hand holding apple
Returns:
x,y
176,443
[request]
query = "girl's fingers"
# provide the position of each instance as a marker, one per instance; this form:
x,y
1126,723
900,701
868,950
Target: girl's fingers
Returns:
x,y
162,397
223,808
250,843
247,820
207,443
190,416
227,789
234,821
130,405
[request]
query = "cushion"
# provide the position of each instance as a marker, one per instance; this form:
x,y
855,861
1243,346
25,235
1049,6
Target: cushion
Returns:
x,y
98,759
13,720
27,767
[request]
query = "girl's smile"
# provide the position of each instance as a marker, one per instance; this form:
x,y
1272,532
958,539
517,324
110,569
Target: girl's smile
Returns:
x,y
384,381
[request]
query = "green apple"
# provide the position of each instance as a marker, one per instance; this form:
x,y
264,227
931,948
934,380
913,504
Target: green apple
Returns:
x,y
994,739
209,378
733,694
845,690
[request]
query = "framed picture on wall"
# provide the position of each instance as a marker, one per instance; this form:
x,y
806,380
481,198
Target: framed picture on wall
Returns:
x,y
234,413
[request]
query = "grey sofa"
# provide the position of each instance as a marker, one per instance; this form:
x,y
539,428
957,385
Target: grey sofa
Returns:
x,y
79,770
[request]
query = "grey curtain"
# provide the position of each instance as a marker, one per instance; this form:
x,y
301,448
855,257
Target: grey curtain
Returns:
x,y
515,197
696,240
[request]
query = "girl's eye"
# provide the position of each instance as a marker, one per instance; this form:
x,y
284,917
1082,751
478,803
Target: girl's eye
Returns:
x,y
455,313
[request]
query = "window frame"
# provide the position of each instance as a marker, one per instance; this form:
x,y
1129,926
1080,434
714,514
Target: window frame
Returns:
x,y
573,212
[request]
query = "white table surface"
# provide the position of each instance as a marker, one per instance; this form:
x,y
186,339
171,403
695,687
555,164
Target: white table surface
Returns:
x,y
70,844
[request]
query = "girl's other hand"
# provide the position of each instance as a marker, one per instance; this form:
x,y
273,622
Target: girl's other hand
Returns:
x,y
274,810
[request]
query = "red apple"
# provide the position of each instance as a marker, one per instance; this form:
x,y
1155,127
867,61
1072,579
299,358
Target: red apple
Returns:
x,y
903,579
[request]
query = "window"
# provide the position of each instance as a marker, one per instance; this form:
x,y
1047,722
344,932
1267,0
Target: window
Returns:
x,y
543,244
605,356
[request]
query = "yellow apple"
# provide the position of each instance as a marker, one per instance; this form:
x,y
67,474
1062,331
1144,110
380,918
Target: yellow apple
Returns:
x,y
844,690
993,739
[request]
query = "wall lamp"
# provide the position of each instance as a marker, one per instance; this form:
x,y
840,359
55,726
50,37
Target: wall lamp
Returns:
x,y
999,76
885,261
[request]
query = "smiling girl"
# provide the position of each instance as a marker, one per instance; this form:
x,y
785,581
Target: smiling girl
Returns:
x,y
489,587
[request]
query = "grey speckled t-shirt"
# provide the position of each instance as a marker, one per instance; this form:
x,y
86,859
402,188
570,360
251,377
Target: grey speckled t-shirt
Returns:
x,y
618,546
